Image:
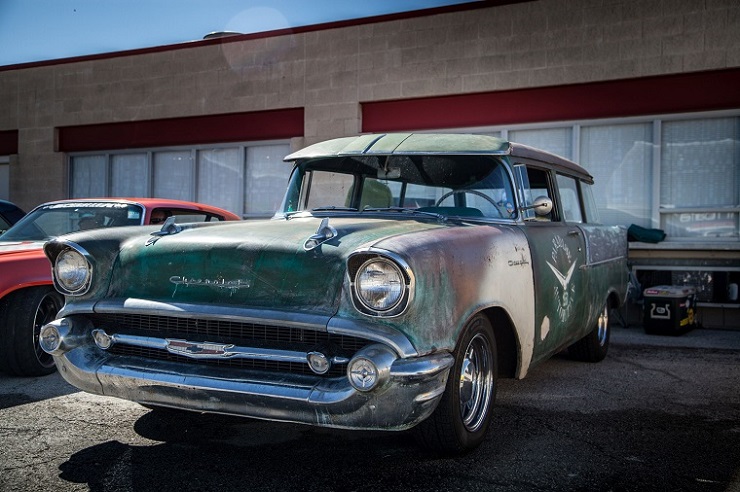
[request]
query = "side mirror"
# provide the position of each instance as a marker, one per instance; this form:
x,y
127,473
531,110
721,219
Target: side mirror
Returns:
x,y
542,205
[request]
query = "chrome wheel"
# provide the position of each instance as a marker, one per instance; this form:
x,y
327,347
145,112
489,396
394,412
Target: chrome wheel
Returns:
x,y
476,382
46,311
461,420
22,315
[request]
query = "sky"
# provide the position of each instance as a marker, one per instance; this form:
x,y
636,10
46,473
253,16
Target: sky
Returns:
x,y
39,30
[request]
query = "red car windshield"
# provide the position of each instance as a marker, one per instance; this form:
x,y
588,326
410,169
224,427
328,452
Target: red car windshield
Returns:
x,y
54,219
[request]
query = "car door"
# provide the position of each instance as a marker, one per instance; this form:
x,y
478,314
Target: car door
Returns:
x,y
558,257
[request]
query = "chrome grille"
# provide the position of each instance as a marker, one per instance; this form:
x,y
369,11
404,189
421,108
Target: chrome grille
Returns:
x,y
257,365
221,331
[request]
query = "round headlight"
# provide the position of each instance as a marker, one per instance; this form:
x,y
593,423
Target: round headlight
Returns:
x,y
72,271
379,284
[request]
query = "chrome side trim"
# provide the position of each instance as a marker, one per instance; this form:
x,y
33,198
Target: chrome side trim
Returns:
x,y
603,262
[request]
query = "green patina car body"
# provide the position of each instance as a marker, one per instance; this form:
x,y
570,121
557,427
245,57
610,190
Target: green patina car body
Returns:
x,y
402,276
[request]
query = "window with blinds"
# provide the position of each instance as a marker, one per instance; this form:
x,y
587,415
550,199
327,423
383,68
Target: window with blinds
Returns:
x,y
699,183
246,179
678,173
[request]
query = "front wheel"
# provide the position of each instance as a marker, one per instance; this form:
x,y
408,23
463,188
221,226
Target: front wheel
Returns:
x,y
461,420
22,315
594,346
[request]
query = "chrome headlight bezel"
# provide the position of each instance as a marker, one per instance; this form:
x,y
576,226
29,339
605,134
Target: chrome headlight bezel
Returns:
x,y
72,271
391,294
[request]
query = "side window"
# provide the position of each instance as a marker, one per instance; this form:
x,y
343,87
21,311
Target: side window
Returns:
x,y
4,225
589,204
159,215
537,185
327,189
184,216
569,201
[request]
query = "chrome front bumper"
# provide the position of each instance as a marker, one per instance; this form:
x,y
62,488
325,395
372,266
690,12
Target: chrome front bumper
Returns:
x,y
408,394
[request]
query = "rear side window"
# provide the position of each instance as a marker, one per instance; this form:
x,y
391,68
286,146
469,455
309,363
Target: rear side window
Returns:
x,y
569,198
184,216
4,225
589,204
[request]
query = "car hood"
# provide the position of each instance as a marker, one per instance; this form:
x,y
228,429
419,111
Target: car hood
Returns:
x,y
260,264
8,247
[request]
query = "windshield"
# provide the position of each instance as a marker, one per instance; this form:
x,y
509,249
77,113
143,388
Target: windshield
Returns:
x,y
467,185
55,219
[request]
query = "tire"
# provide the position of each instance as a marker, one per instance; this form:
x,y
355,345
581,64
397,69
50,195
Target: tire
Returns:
x,y
22,314
594,346
461,420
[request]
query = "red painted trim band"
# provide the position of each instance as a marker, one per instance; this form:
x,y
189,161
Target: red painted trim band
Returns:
x,y
235,127
665,94
8,142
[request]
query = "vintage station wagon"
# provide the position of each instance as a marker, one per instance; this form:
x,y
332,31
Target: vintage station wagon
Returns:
x,y
403,275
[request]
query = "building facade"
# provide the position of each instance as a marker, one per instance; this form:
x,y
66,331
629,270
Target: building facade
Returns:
x,y
644,94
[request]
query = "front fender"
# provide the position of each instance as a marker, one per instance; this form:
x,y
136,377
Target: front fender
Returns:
x,y
23,270
458,272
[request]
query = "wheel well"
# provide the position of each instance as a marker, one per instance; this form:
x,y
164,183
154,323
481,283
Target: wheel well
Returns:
x,y
507,350
613,301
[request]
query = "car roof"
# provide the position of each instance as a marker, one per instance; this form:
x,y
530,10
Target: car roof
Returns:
x,y
434,144
151,203
6,206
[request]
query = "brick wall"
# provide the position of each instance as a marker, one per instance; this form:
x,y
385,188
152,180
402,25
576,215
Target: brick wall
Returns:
x,y
330,72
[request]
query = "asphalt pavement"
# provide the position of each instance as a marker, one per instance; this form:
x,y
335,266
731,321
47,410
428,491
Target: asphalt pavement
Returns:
x,y
660,413
698,338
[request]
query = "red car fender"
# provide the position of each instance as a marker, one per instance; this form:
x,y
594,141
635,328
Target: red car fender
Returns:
x,y
23,269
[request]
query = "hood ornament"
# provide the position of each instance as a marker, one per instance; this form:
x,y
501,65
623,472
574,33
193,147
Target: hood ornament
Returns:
x,y
169,227
324,233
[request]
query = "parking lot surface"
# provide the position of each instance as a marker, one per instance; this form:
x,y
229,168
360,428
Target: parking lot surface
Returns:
x,y
660,413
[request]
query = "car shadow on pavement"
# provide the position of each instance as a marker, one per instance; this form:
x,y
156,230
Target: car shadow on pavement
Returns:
x,y
16,391
217,452
530,449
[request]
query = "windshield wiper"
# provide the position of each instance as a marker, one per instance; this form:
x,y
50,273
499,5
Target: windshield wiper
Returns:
x,y
413,211
327,208
334,207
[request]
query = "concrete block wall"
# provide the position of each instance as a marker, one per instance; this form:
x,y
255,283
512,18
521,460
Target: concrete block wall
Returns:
x,y
331,72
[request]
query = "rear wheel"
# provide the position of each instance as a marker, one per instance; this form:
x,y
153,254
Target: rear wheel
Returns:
x,y
22,314
461,420
594,346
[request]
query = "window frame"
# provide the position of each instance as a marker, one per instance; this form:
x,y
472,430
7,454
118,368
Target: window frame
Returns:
x,y
562,179
657,213
194,152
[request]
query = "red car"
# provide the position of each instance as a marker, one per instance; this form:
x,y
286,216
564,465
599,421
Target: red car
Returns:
x,y
27,297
